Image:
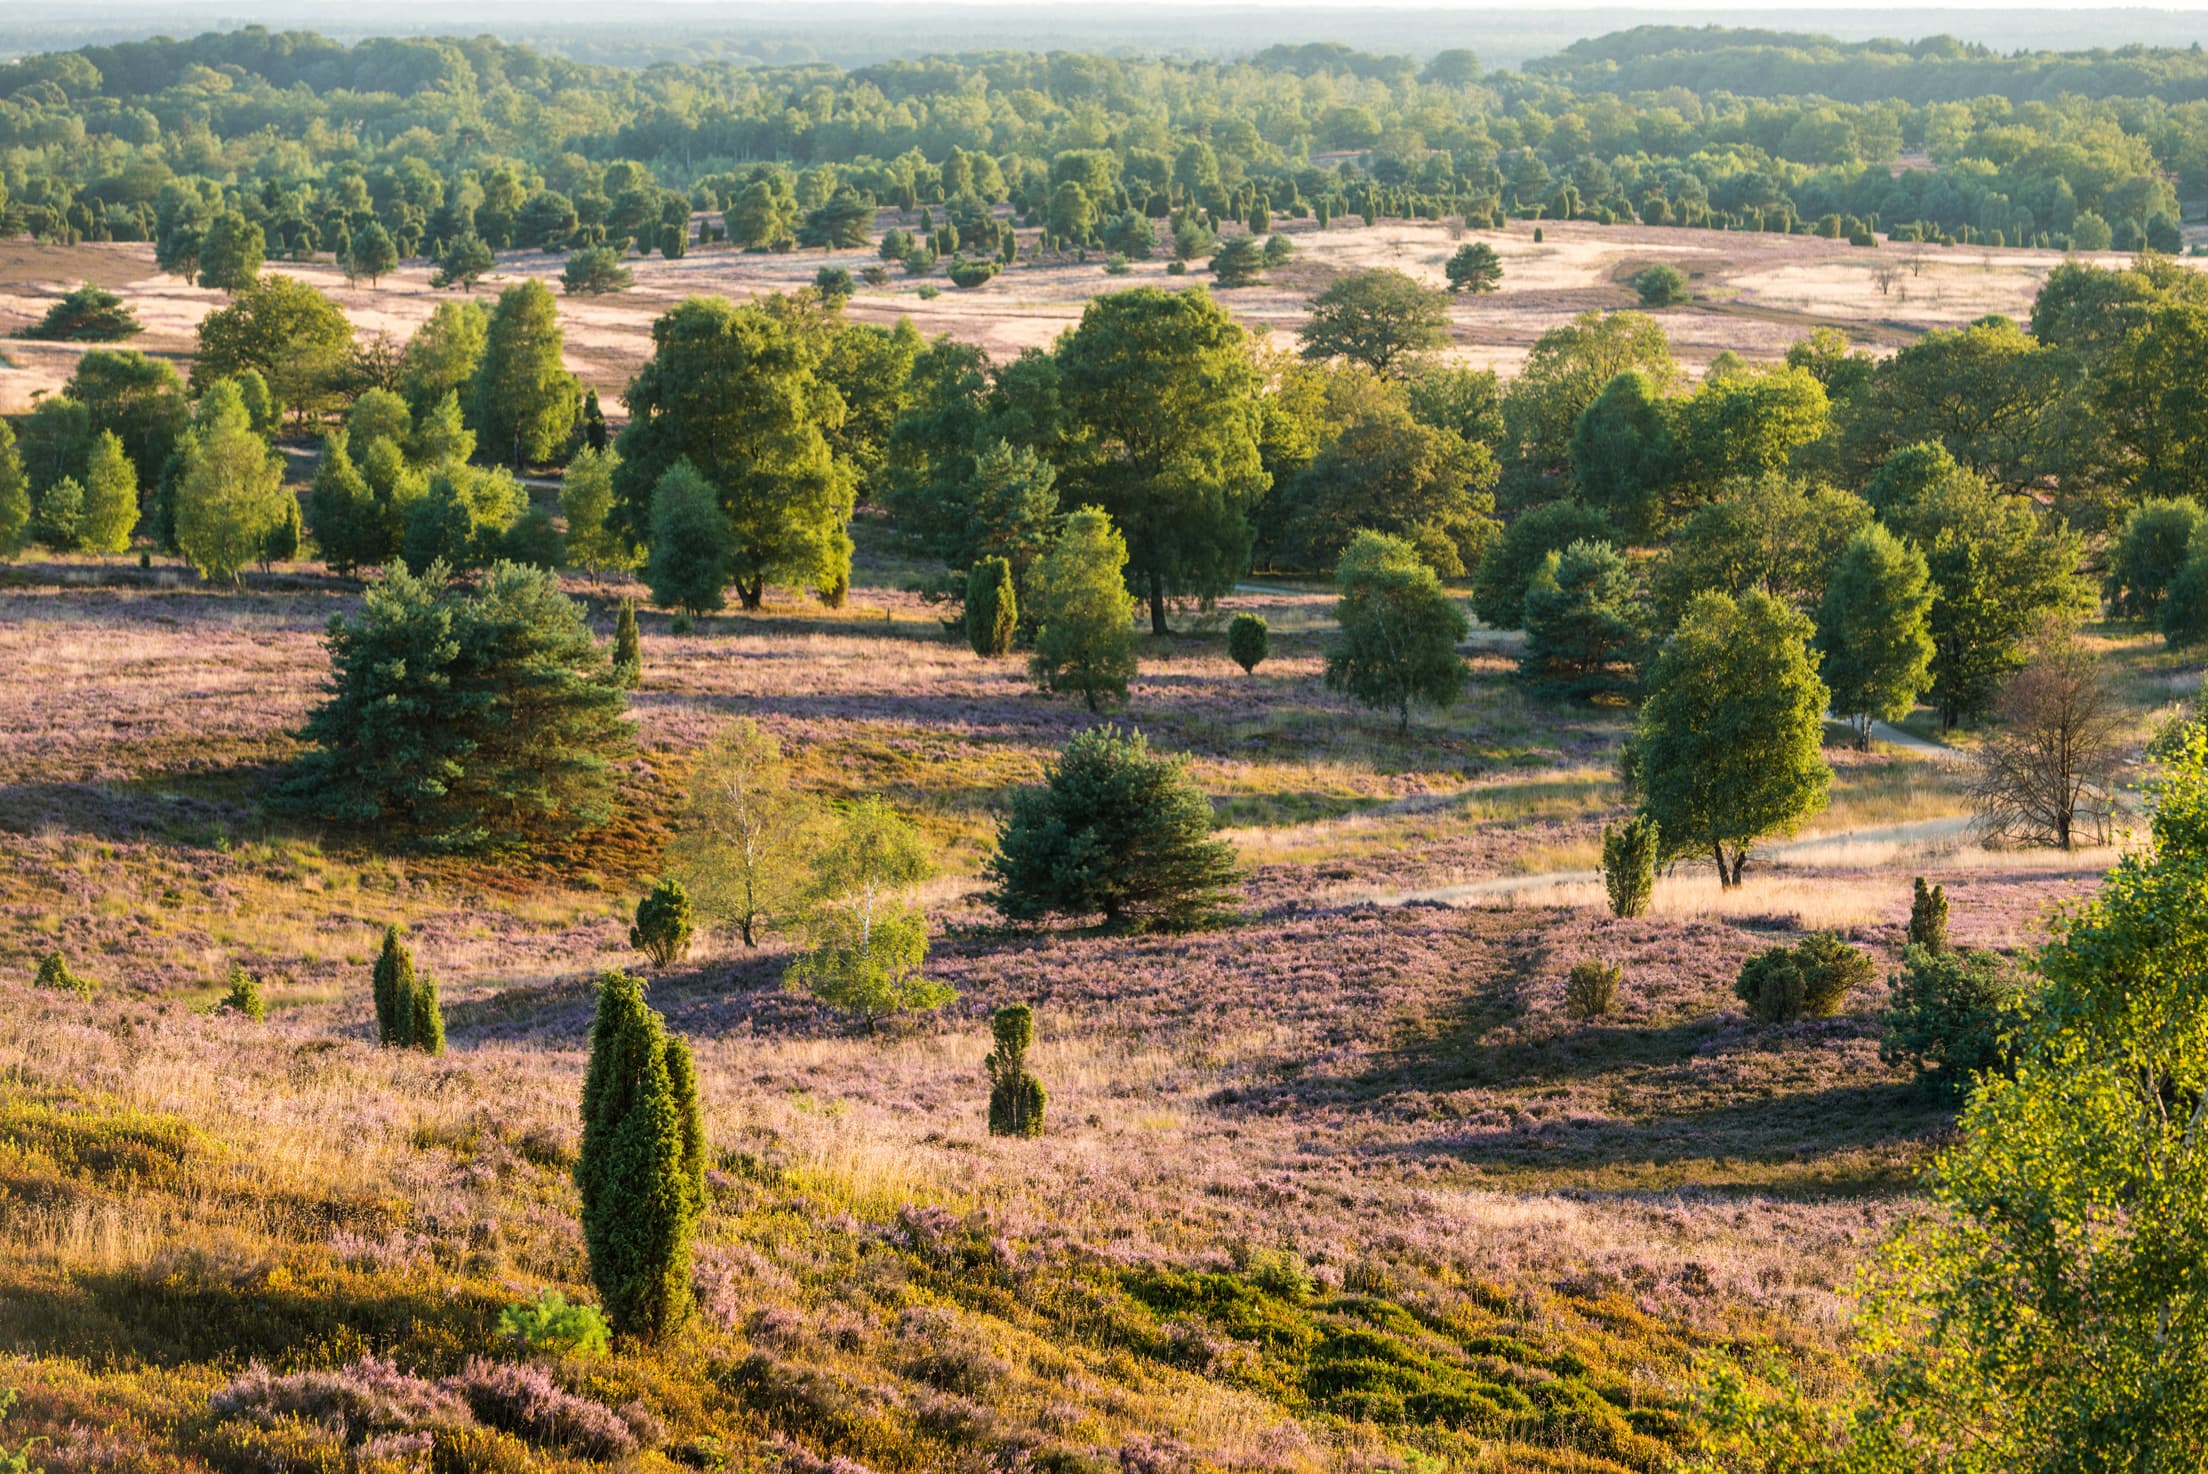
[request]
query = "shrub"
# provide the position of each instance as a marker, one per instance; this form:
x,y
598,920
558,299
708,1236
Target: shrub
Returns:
x,y
53,972
595,272
928,292
525,1401
834,282
641,1170
244,997
992,609
1117,265
1661,285
1812,979
1591,989
1016,1097
1112,831
1280,1273
1771,984
1928,917
628,648
1629,852
1831,969
864,943
1951,1015
966,271
87,314
1247,641
550,1323
663,923
394,989
365,1397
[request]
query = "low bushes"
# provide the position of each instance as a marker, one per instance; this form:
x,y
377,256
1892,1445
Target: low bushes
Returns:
x,y
1592,989
1811,980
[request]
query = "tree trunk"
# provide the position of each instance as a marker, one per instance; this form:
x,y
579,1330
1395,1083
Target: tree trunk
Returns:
x,y
1088,692
1157,605
749,940
752,595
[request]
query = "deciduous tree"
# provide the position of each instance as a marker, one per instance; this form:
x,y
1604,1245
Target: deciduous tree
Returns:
x,y
1399,630
1874,631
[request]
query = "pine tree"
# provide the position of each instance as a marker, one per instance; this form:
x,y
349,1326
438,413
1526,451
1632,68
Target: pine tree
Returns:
x,y
54,972
1016,1097
244,997
1928,917
1629,853
641,1171
1116,831
992,610
628,648
688,567
394,985
1579,631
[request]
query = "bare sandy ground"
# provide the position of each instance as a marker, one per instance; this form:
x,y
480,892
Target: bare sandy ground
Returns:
x,y
1755,294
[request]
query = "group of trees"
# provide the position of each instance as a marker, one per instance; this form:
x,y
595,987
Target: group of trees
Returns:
x,y
425,148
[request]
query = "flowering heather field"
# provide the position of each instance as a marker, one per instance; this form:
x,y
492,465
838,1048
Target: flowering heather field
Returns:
x,y
1339,1186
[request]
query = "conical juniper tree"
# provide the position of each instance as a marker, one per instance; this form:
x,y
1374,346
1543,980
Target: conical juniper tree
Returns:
x,y
641,1171
1928,917
394,981
1015,1096
628,648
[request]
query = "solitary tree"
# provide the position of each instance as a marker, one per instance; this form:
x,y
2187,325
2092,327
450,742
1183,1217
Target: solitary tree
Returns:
x,y
597,272
1629,855
463,262
1474,268
2047,771
1247,639
1116,832
865,942
1874,631
1399,630
407,1011
525,399
370,253
641,1169
1928,917
741,841
87,314
628,647
1661,285
1728,743
230,253
1379,318
1084,639
1016,1098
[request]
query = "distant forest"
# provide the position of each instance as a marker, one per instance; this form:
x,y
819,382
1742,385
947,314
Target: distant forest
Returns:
x,y
433,139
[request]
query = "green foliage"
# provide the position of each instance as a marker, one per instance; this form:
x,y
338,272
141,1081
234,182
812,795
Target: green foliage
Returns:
x,y
15,495
969,272
59,519
1591,990
1399,630
992,609
550,1324
1874,630
1379,318
1386,472
408,1015
1567,370
1581,632
737,391
1512,561
741,838
469,717
1928,917
54,972
688,565
1084,640
1629,854
2184,610
525,400
442,357
1247,641
1661,285
370,253
663,923
1728,745
2038,1315
86,314
596,272
641,1170
1239,261
865,943
1160,401
295,338
1116,832
1952,1014
587,502
231,252
229,492
463,262
628,647
1016,1098
2150,551
1475,268
465,519
1778,536
244,995
834,283
1624,457
1813,979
